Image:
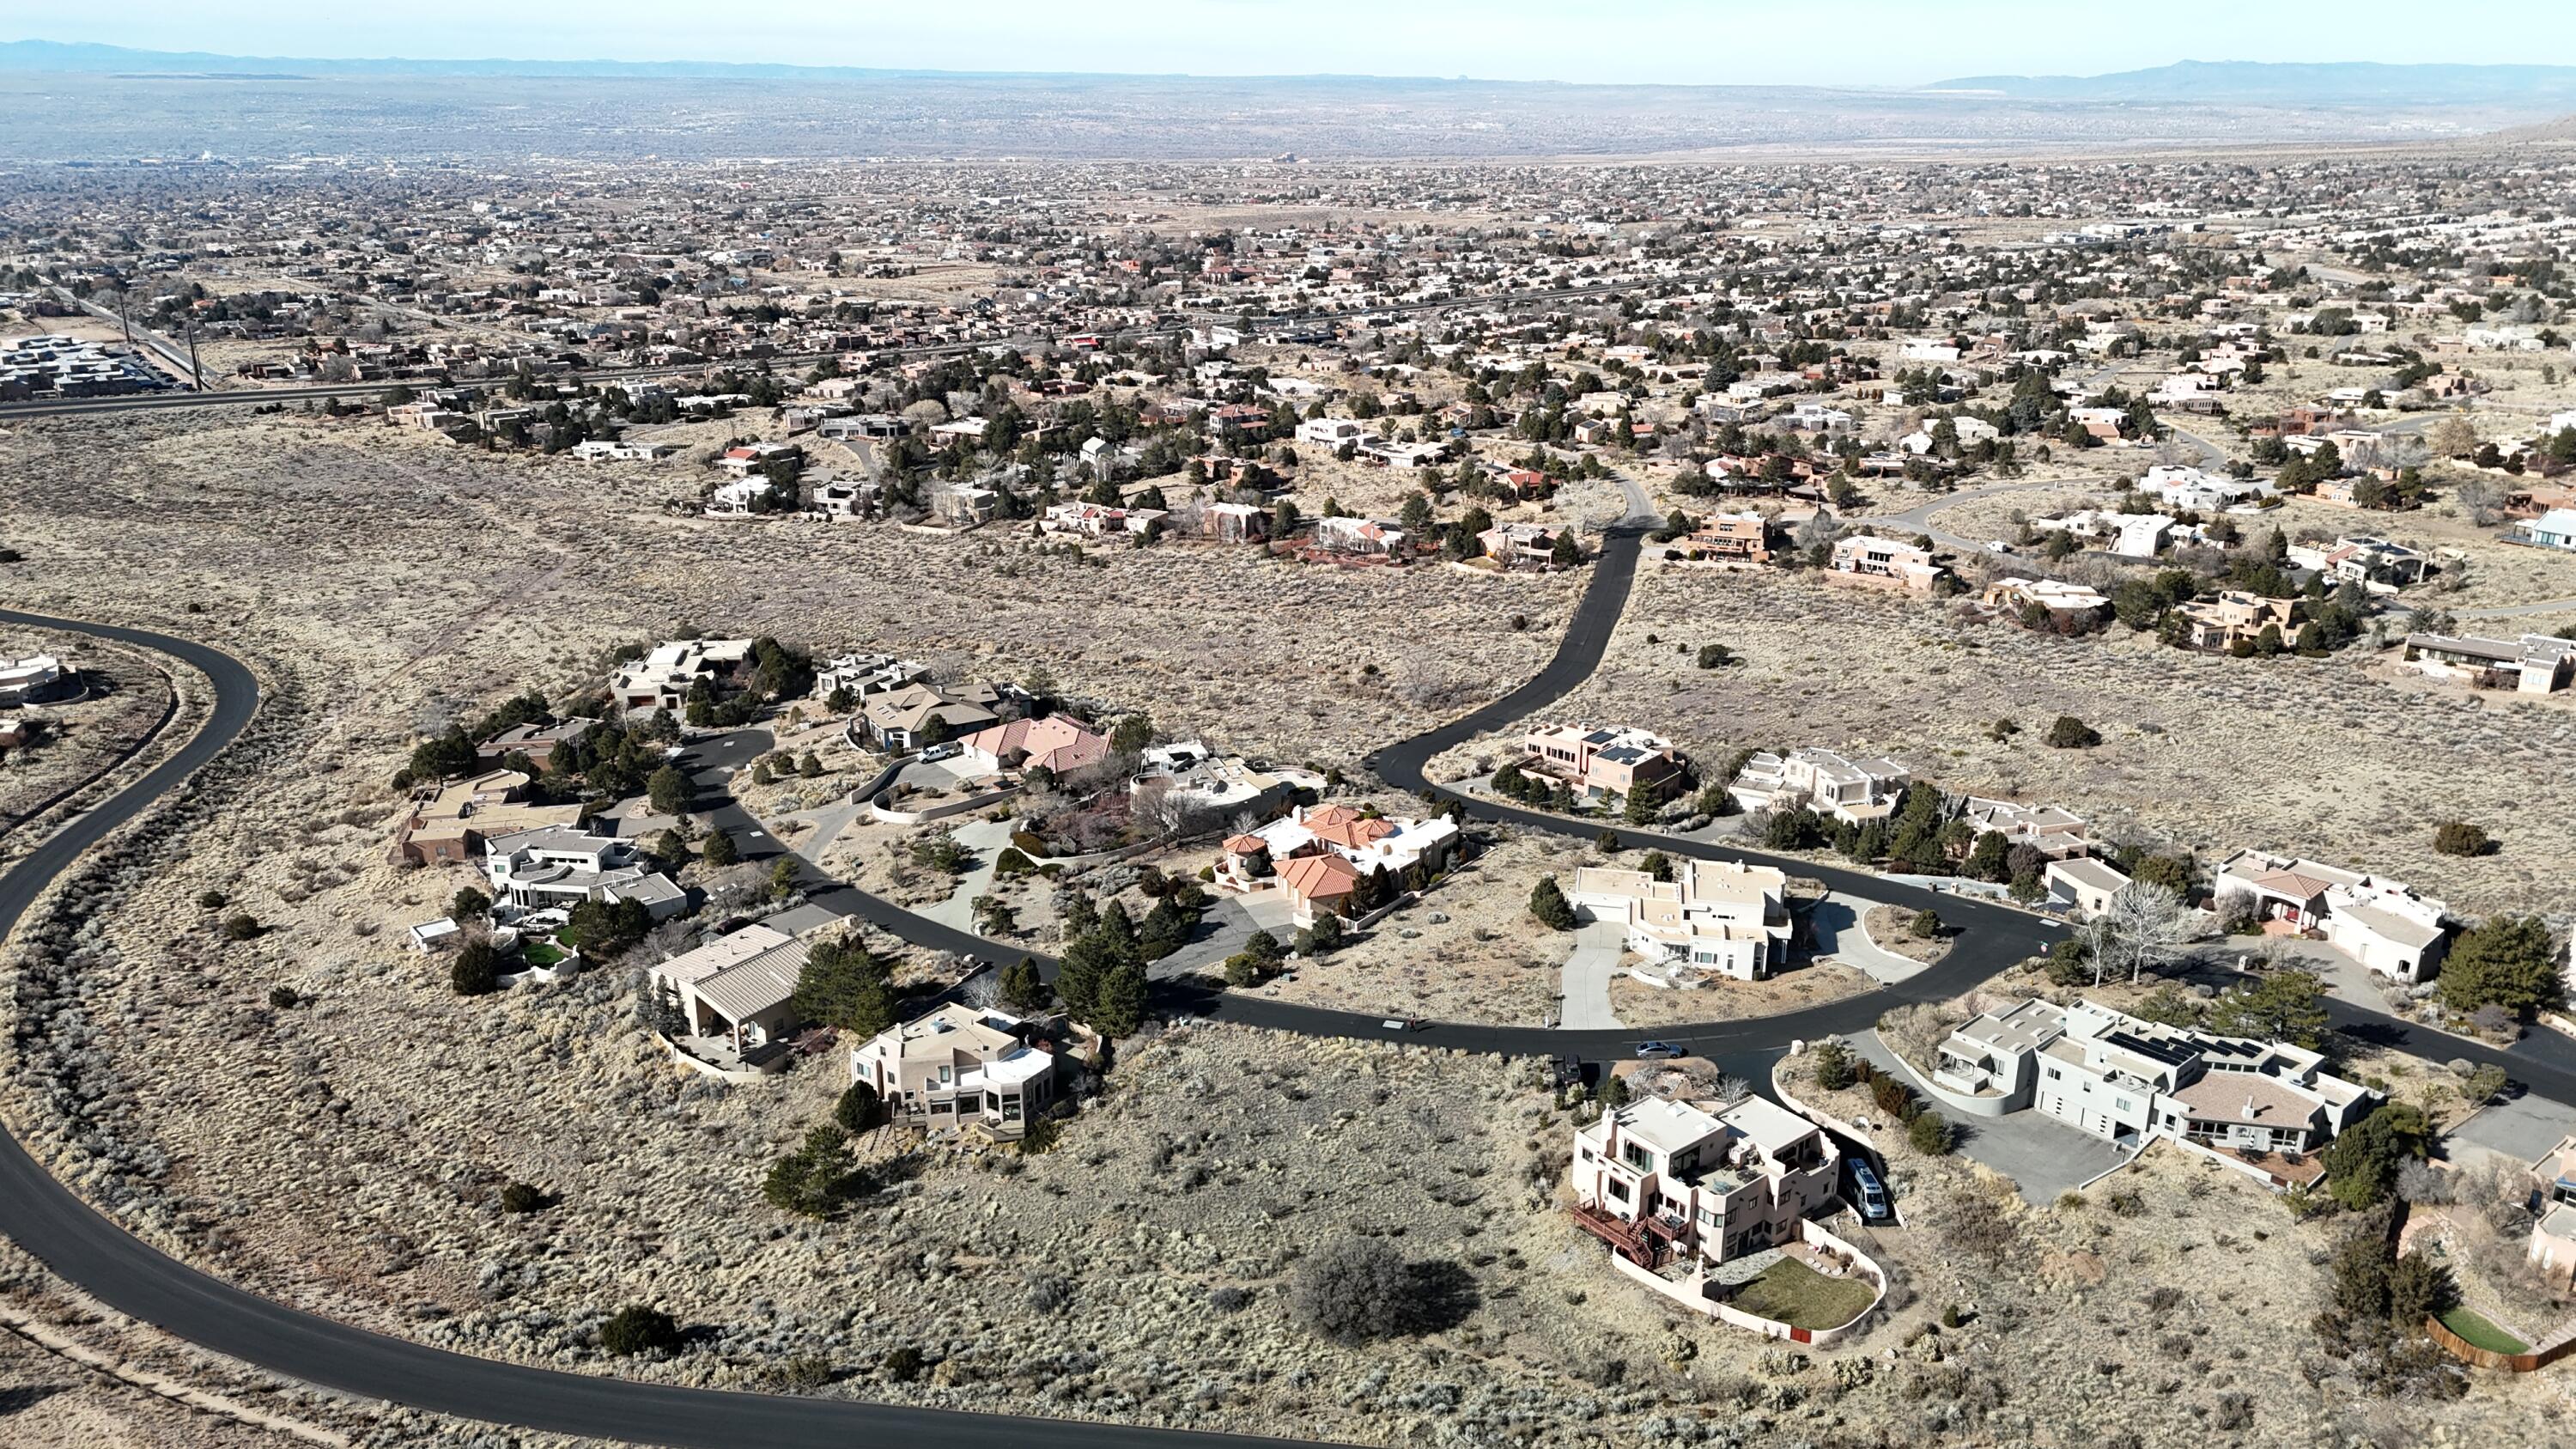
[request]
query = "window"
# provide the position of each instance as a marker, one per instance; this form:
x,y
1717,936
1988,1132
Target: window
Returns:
x,y
1637,1157
1617,1188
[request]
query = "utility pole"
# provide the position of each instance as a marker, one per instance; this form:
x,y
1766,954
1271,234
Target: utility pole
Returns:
x,y
195,370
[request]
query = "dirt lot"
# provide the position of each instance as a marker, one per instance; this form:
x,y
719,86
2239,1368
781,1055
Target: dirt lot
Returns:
x,y
1803,984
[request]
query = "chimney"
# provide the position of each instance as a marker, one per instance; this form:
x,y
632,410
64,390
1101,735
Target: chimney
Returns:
x,y
2250,1113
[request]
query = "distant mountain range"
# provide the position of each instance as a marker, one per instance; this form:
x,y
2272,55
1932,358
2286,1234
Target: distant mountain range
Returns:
x,y
2189,83
2258,83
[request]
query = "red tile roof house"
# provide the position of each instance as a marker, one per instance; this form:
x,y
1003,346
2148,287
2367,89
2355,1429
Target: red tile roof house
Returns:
x,y
1056,743
1317,856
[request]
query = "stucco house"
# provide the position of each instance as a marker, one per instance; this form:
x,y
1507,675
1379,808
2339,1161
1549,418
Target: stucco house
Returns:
x,y
2383,924
1720,917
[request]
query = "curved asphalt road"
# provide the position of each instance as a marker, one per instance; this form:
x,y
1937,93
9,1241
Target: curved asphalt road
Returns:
x,y
96,1255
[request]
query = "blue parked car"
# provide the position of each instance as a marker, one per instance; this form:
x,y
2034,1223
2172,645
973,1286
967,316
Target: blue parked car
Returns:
x,y
1649,1050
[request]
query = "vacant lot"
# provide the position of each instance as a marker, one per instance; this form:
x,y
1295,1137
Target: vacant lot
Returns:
x,y
131,712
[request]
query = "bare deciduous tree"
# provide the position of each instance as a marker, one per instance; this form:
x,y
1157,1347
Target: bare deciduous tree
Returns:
x,y
2145,927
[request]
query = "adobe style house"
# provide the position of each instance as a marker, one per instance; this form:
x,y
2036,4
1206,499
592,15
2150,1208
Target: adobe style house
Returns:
x,y
867,675
663,678
537,742
2062,600
2047,829
1058,743
450,825
958,1066
1234,523
1600,761
2379,923
1833,785
1867,559
1678,1190
2552,1248
1095,520
1517,545
1739,538
2235,617
31,680
2086,886
738,990
2125,1080
1716,917
1318,854
2533,664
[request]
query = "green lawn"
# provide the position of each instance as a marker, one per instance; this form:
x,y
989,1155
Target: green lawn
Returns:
x,y
542,954
1801,1297
2477,1332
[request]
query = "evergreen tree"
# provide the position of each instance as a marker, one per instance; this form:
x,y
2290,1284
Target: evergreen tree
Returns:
x,y
1548,905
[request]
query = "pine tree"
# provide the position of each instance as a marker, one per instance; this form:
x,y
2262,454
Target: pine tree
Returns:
x,y
1548,904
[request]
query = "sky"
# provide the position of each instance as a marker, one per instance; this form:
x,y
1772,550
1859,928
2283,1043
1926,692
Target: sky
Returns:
x,y
1688,42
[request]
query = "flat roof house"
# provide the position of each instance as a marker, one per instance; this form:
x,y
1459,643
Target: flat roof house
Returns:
x,y
1832,784
1660,1180
2533,664
451,826
1721,917
958,1065
662,679
1603,760
557,867
1883,560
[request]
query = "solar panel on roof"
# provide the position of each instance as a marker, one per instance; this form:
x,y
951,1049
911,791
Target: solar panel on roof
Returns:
x,y
2154,1051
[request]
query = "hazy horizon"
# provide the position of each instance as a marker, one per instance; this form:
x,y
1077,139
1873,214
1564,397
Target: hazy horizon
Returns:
x,y
1625,42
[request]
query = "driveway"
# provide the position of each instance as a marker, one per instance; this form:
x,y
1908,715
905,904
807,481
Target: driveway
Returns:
x,y
1838,933
1588,969
986,838
2044,1157
1223,930
2522,1129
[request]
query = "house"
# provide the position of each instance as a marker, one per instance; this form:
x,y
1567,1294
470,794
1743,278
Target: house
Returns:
x,y
1094,520
2126,1080
2375,563
29,680
1318,854
843,499
1831,784
1660,1179
1719,918
1205,785
452,824
2236,617
739,987
2047,829
1867,557
1057,743
747,459
2064,600
2189,490
2380,923
1603,761
2084,885
1234,523
1332,433
910,716
746,499
557,867
867,675
663,678
1730,538
1359,536
958,1065
2128,535
1520,543
535,741
2554,529
2552,1248
2533,664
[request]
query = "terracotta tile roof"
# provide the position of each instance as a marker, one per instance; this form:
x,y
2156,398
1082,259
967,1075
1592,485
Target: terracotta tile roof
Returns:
x,y
1319,877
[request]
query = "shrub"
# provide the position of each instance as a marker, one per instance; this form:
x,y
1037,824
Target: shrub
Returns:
x,y
2070,733
1714,656
902,1364
855,1110
1228,1298
284,998
1548,905
241,927
1892,1096
636,1329
1354,1292
476,970
1833,1065
1930,1134
1925,924
520,1197
2460,837
720,851
211,900
1012,861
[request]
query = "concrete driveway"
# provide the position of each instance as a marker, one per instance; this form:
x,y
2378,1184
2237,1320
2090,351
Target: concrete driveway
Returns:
x,y
2044,1157
1588,969
2519,1128
1835,925
1223,930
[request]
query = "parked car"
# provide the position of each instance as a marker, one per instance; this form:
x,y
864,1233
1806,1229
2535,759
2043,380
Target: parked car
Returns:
x,y
1650,1050
1873,1196
948,751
